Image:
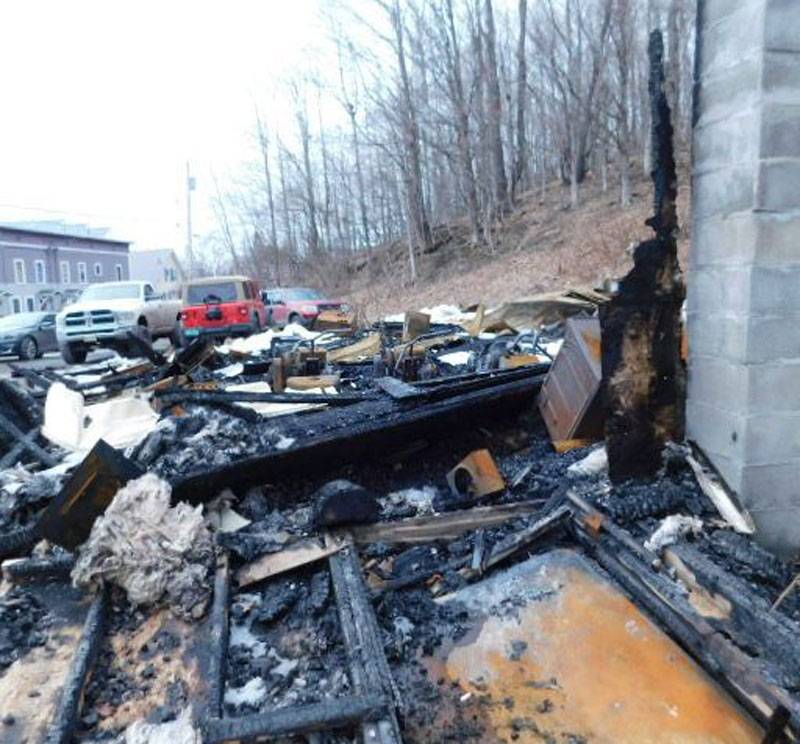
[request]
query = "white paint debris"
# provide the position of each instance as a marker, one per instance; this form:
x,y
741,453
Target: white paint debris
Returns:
x,y
278,409
253,693
231,521
671,530
456,358
420,498
594,463
553,347
284,442
70,423
179,731
232,370
444,314
152,550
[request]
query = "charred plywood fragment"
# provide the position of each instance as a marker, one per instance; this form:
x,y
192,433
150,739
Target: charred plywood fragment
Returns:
x,y
643,378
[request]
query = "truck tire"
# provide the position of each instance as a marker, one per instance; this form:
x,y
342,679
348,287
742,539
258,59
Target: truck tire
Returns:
x,y
256,323
74,353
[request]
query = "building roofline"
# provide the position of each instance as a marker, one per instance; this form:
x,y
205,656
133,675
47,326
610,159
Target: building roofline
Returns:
x,y
53,234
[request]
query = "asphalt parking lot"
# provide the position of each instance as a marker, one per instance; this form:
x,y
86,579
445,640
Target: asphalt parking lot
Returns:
x,y
53,360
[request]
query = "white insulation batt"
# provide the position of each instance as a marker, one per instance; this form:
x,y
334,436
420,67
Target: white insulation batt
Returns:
x,y
70,423
179,731
156,552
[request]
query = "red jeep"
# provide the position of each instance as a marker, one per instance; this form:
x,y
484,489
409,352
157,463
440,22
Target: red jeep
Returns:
x,y
221,306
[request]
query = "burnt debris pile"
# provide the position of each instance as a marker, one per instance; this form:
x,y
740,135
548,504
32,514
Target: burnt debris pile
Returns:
x,y
411,532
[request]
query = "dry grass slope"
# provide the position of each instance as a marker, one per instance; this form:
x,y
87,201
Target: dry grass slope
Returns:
x,y
541,246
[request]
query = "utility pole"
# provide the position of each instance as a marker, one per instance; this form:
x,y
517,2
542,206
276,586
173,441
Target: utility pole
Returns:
x,y
190,183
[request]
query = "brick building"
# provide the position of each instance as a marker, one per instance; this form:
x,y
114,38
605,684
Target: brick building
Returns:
x,y
42,270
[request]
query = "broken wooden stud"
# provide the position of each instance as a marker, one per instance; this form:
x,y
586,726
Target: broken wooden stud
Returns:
x,y
65,719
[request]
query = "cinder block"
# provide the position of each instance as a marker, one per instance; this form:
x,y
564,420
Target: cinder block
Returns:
x,y
778,239
732,37
775,390
719,290
719,383
708,426
778,528
781,77
774,290
772,438
716,11
782,26
780,131
721,336
772,338
729,91
723,192
778,183
725,143
719,241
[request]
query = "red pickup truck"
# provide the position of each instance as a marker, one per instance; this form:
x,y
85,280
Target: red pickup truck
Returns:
x,y
298,305
221,306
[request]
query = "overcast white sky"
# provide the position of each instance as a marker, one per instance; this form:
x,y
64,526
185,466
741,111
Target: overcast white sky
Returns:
x,y
105,101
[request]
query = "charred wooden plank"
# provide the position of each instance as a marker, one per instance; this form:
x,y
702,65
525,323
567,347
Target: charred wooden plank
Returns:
x,y
294,721
368,665
66,717
370,427
219,638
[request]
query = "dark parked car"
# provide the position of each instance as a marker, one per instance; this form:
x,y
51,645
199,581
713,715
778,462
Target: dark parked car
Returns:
x,y
28,335
298,305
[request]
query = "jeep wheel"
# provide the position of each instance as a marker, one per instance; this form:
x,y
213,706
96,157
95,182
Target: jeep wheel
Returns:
x,y
28,349
74,354
256,323
294,318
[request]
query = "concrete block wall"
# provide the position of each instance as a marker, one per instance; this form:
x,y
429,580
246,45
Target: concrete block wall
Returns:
x,y
743,302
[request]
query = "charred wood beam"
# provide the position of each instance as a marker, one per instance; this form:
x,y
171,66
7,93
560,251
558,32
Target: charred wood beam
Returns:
x,y
170,397
441,526
378,426
62,727
643,377
219,637
25,405
294,721
362,638
19,542
661,598
749,621
517,541
32,569
30,445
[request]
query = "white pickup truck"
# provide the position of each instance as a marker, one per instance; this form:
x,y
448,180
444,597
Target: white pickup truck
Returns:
x,y
106,313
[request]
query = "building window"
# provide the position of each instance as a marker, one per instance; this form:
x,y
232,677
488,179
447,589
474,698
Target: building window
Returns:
x,y
39,271
98,269
19,271
65,272
16,305
118,269
30,304
82,272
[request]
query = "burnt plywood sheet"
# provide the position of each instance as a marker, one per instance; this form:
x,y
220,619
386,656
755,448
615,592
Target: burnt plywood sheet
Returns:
x,y
30,688
558,653
570,400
